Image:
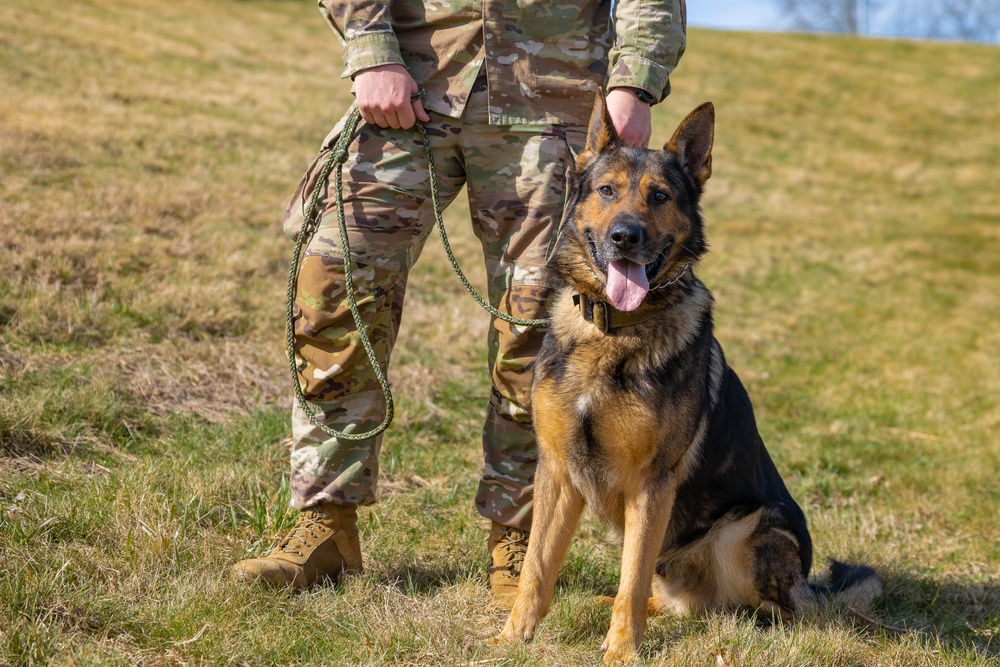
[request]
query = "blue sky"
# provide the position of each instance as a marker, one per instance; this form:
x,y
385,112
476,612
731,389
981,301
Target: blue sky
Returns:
x,y
733,14
896,18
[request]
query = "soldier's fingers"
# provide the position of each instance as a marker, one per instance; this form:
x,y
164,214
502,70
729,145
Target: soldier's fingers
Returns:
x,y
406,117
367,116
392,118
636,138
379,119
418,110
642,141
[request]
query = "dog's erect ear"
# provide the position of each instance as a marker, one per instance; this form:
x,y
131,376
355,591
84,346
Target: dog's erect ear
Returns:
x,y
600,133
692,142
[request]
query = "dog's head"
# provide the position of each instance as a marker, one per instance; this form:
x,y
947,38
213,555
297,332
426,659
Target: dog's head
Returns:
x,y
634,221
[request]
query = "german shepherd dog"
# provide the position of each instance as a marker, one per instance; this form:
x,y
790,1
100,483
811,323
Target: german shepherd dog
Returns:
x,y
638,415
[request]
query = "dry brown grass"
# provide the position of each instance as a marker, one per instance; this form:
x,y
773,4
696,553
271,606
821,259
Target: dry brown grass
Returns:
x,y
146,153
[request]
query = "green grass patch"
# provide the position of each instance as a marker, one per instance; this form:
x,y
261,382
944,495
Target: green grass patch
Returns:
x,y
147,151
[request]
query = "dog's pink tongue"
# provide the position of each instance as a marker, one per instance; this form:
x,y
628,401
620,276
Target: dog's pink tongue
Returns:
x,y
627,284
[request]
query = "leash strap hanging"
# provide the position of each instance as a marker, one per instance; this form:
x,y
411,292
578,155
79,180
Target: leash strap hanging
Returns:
x,y
312,218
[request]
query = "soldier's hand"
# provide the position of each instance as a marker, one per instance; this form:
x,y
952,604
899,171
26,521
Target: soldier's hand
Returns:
x,y
632,118
383,95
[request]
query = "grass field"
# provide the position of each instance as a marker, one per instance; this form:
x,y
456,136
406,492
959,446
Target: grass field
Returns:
x,y
147,149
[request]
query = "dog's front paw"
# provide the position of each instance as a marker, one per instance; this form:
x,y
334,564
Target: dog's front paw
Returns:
x,y
519,627
619,646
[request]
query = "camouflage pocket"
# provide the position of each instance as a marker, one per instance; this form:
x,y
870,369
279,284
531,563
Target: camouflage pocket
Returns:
x,y
334,364
295,212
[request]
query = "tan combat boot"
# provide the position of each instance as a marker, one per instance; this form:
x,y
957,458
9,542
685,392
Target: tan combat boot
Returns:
x,y
322,544
507,547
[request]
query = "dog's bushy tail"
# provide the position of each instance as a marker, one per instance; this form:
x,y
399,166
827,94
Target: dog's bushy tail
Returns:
x,y
855,586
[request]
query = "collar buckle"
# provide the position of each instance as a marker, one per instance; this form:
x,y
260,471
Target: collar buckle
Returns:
x,y
596,312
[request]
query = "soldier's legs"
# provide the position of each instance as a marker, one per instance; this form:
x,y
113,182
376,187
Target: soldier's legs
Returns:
x,y
388,213
386,204
517,183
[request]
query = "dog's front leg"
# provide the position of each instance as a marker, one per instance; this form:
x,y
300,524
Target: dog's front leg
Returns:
x,y
647,514
557,509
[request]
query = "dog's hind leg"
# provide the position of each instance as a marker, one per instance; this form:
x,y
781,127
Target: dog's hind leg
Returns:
x,y
646,517
557,509
779,574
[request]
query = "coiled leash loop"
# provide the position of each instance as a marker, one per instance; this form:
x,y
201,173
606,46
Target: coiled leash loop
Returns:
x,y
313,217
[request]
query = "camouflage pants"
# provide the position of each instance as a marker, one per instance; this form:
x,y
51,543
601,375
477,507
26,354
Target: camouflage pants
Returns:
x,y
517,179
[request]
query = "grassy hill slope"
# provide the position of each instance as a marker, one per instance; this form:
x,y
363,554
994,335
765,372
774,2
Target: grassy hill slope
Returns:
x,y
147,149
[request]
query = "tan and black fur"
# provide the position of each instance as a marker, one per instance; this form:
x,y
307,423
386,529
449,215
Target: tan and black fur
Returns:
x,y
645,422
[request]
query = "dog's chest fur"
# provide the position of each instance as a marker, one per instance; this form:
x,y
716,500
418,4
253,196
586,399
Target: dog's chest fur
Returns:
x,y
626,407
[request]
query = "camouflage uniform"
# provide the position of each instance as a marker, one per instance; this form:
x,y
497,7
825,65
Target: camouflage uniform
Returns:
x,y
512,143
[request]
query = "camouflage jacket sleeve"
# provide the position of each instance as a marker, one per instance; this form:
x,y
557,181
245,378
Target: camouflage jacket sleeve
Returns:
x,y
650,37
364,28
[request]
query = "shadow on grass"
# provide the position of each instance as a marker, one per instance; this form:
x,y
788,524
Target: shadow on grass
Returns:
x,y
597,588
954,613
69,411
425,580
959,616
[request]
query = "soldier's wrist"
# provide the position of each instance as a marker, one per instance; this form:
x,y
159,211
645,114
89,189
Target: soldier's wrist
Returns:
x,y
640,94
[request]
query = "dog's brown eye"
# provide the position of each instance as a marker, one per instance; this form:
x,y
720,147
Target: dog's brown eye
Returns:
x,y
660,196
606,190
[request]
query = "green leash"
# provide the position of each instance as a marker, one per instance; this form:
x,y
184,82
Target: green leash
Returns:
x,y
312,219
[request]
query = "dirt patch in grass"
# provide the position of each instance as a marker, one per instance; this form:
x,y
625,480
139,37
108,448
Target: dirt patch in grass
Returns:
x,y
213,381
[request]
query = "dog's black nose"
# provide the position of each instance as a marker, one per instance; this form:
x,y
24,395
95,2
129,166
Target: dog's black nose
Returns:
x,y
626,235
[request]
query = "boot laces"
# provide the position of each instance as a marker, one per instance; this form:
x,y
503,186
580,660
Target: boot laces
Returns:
x,y
306,532
511,548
